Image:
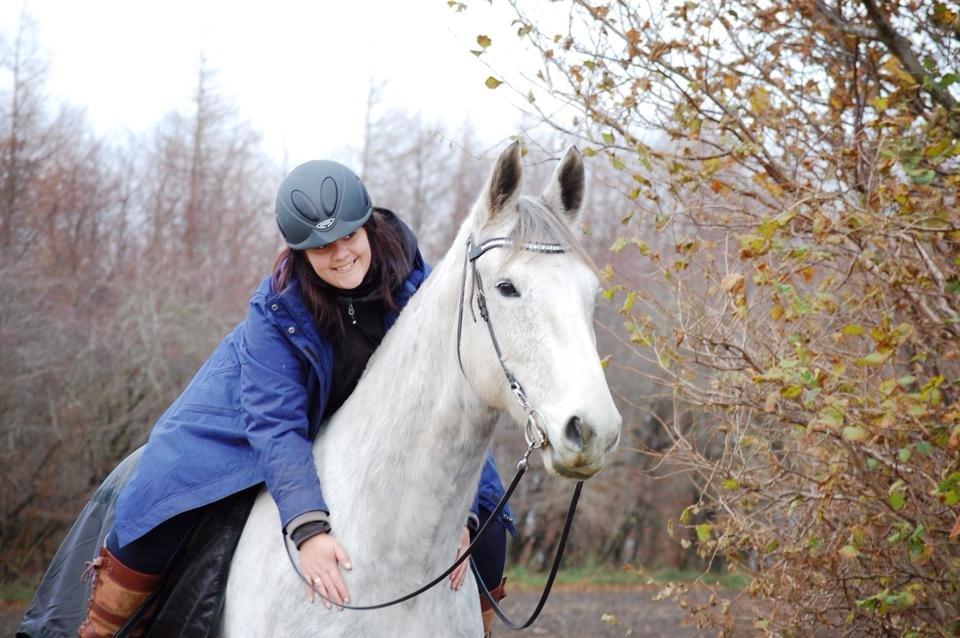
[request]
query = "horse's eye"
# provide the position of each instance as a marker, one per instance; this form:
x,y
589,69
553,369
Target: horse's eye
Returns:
x,y
506,289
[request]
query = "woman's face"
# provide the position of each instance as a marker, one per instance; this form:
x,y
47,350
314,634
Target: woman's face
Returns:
x,y
344,263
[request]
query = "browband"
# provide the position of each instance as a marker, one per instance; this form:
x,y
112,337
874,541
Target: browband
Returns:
x,y
500,242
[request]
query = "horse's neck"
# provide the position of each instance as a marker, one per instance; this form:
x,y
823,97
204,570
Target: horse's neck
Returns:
x,y
399,460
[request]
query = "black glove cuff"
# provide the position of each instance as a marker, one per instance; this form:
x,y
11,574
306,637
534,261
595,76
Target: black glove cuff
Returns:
x,y
309,530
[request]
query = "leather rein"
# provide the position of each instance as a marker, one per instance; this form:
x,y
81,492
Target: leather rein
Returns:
x,y
533,433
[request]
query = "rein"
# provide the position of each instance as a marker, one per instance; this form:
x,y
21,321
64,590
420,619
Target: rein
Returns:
x,y
521,469
532,432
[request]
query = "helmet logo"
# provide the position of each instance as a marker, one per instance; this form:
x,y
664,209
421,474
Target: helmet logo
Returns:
x,y
326,224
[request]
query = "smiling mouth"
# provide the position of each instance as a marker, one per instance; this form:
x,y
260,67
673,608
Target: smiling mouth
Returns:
x,y
348,267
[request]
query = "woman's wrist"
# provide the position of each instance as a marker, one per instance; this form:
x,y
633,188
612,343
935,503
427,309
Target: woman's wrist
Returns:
x,y
309,530
308,525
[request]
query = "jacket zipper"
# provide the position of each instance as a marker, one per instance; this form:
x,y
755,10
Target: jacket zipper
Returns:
x,y
352,313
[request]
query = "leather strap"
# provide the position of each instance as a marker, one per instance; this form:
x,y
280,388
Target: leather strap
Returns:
x,y
489,596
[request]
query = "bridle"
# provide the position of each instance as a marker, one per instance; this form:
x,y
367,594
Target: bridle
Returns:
x,y
533,428
533,432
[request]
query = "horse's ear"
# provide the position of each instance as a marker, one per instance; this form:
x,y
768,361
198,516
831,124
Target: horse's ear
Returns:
x,y
503,187
564,191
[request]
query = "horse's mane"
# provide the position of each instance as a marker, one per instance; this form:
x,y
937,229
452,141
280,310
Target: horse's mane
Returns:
x,y
537,223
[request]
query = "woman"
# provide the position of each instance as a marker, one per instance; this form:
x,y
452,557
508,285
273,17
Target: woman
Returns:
x,y
253,409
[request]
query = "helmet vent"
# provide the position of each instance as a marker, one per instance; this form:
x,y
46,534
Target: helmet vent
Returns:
x,y
305,206
328,196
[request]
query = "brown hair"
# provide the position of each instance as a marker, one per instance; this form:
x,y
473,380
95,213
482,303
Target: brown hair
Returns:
x,y
389,263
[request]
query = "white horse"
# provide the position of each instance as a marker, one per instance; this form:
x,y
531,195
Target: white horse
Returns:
x,y
399,462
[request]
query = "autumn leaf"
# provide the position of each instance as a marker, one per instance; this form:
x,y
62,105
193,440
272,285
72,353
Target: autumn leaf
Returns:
x,y
733,283
609,619
873,359
759,98
703,532
854,433
492,82
849,551
770,405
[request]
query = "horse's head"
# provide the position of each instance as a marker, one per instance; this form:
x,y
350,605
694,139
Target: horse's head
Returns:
x,y
541,304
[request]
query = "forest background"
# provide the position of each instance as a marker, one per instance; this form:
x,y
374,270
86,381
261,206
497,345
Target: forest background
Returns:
x,y
773,205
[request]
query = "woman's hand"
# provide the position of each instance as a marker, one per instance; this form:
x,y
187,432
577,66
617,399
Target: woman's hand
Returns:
x,y
457,575
320,560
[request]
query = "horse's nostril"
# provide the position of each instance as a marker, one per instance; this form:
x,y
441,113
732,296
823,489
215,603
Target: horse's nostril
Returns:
x,y
574,432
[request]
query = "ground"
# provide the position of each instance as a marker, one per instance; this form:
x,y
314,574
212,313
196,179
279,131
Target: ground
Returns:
x,y
595,612
603,613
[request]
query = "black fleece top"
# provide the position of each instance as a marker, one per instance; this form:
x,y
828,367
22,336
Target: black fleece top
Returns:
x,y
363,312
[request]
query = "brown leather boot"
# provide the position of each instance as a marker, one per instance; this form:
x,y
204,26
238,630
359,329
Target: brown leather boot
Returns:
x,y
486,609
117,592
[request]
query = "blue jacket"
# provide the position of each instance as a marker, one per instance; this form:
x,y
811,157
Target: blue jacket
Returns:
x,y
249,416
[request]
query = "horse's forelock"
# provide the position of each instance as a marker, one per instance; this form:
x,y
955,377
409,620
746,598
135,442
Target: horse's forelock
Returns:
x,y
538,224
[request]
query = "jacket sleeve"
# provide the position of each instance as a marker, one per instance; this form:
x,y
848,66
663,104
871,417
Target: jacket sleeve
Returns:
x,y
273,396
490,486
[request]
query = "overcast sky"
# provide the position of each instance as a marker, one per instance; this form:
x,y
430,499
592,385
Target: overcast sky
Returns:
x,y
299,71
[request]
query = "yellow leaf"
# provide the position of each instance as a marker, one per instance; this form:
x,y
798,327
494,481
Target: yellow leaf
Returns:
x,y
791,391
759,100
484,41
873,359
854,433
492,82
730,484
938,149
892,66
703,532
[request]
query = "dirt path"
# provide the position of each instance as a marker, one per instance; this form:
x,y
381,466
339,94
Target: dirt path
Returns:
x,y
598,613
603,613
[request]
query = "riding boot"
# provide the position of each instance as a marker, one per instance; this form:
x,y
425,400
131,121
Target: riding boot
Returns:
x,y
486,609
116,593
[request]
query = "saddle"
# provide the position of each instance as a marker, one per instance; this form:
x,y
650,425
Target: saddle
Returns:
x,y
189,600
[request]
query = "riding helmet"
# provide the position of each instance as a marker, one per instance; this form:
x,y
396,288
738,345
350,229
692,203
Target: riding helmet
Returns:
x,y
320,202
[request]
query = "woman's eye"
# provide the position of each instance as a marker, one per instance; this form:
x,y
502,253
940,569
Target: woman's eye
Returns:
x,y
348,236
507,289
